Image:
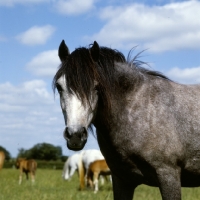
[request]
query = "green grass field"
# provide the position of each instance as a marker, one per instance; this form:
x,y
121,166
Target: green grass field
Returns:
x,y
50,186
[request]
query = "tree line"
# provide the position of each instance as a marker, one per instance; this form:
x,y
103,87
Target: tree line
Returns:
x,y
41,151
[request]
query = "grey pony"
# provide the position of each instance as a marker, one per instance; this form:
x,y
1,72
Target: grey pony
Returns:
x,y
148,127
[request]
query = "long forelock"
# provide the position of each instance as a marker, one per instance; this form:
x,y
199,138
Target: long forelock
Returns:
x,y
80,73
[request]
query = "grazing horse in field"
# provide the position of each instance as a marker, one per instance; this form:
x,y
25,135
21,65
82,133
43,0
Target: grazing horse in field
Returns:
x,y
2,158
26,166
80,162
97,168
147,126
87,157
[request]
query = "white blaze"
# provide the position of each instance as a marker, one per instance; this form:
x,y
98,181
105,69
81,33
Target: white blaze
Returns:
x,y
74,112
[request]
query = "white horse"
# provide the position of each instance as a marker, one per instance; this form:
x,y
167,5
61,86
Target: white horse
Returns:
x,y
71,165
81,162
87,157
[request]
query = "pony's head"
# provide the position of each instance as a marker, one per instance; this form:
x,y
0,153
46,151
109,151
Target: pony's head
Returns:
x,y
18,161
81,82
78,98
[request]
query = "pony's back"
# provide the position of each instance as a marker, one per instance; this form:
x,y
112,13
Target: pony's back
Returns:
x,y
100,167
90,156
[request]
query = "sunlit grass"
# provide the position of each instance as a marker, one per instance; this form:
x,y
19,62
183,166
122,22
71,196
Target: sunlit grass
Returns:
x,y
50,186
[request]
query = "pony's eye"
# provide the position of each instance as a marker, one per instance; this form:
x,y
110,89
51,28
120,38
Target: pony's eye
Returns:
x,y
59,88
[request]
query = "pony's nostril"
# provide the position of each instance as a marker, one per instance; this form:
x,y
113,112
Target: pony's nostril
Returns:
x,y
67,133
80,133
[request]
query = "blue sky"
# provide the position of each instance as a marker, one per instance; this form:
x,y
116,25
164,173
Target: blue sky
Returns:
x,y
31,31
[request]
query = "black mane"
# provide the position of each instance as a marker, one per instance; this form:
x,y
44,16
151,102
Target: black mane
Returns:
x,y
81,72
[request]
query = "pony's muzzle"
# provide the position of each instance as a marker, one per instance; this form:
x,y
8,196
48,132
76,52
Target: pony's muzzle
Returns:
x,y
76,137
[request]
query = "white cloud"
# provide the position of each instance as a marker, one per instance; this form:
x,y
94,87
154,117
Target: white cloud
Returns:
x,y
29,115
27,93
2,38
36,35
186,75
74,7
22,102
44,64
14,2
160,28
26,113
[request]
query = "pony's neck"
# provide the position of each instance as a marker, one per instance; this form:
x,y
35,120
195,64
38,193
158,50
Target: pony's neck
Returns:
x,y
127,80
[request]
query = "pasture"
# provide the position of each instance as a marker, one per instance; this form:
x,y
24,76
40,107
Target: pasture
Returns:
x,y
50,186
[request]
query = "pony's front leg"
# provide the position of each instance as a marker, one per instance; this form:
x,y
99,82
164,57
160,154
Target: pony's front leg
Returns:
x,y
169,183
101,177
122,190
32,177
20,176
95,182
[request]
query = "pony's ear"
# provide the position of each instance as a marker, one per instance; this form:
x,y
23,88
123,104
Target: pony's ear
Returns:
x,y
63,51
94,51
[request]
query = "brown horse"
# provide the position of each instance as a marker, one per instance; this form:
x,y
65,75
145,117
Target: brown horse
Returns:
x,y
2,158
26,166
97,168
